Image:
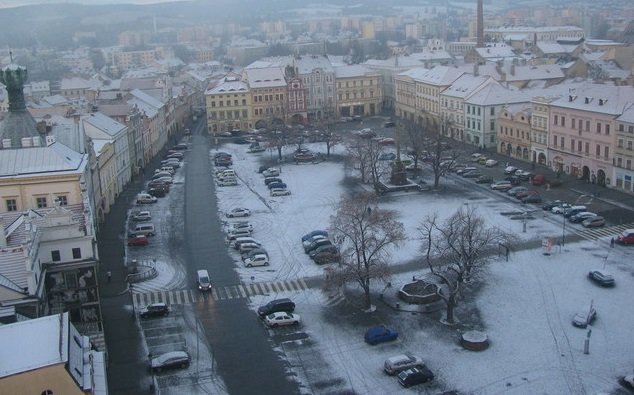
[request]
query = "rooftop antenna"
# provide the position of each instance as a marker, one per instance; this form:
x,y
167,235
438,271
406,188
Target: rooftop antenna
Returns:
x,y
11,56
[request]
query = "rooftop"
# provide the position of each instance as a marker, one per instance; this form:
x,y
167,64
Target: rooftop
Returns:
x,y
270,77
56,158
355,70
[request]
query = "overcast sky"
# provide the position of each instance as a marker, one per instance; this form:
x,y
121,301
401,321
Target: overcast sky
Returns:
x,y
16,3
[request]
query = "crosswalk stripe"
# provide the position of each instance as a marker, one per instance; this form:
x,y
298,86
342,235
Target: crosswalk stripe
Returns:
x,y
280,286
241,290
214,293
302,283
295,285
262,287
273,287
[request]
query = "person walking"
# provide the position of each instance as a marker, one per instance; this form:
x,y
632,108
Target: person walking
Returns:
x,y
109,274
612,242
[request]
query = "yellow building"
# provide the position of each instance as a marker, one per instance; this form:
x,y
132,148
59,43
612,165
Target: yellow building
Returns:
x,y
359,90
268,95
514,131
49,356
228,106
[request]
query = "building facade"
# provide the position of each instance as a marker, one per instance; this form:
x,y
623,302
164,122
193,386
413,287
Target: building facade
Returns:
x,y
228,106
624,152
359,91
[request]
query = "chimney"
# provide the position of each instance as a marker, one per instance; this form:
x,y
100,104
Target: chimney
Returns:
x,y
3,236
37,142
26,142
569,97
6,143
50,140
587,100
480,25
600,102
476,69
512,69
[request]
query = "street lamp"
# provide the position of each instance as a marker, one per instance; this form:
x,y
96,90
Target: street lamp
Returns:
x,y
563,232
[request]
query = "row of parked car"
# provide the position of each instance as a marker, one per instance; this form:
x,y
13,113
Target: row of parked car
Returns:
x,y
274,183
240,237
319,247
575,213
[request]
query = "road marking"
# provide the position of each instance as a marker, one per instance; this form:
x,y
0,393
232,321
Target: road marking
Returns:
x,y
189,296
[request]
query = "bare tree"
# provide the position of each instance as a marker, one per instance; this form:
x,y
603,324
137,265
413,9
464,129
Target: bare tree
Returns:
x,y
363,232
460,247
365,155
440,157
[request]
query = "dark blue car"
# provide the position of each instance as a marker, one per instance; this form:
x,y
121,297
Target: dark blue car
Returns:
x,y
314,233
380,334
280,185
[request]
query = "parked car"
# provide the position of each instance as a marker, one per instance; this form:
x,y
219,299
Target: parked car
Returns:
x,y
239,225
141,216
180,147
515,190
398,363
157,192
154,184
389,124
276,185
466,169
483,180
569,212
501,185
601,277
386,141
560,208
314,233
521,195
281,318
532,199
550,205
161,174
254,252
280,192
580,217
238,212
139,240
627,237
277,305
387,156
594,222
239,241
379,334
169,360
249,246
227,182
269,180
154,310
475,157
491,163
257,260
316,244
236,234
330,248
415,376
539,179
524,175
325,257
472,174
584,317
166,180
145,198
177,155
514,180
271,172
510,170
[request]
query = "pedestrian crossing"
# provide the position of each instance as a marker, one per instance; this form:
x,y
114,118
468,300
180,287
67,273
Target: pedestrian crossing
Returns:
x,y
607,231
190,296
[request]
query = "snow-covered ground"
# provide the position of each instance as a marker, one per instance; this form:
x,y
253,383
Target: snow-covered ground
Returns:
x,y
524,305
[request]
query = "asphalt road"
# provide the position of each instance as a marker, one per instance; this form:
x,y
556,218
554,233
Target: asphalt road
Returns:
x,y
240,346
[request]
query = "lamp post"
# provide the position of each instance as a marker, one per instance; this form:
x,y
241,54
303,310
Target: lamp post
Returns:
x,y
563,232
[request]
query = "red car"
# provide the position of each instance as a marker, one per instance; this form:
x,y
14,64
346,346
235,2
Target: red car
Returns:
x,y
627,237
522,195
138,241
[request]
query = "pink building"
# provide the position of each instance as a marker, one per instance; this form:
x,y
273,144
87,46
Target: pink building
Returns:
x,y
582,138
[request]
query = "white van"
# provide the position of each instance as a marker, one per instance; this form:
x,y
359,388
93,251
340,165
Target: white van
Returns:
x,y
144,229
204,283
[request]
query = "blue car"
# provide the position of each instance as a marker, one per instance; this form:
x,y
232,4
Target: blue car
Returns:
x,y
380,334
314,233
279,185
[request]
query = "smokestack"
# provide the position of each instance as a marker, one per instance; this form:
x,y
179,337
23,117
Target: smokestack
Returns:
x,y
480,26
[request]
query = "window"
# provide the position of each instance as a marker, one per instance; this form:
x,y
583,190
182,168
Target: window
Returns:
x,y
62,200
598,150
563,121
492,110
572,145
598,127
556,121
12,205
587,126
620,143
555,141
76,253
573,123
579,146
55,256
629,145
607,129
606,152
40,202
587,149
619,162
628,164
563,142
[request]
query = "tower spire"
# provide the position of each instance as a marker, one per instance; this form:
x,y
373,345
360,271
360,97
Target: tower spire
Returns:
x,y
480,25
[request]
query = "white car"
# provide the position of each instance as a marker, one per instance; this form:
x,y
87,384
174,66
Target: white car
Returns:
x,y
142,216
310,241
281,318
257,260
144,198
246,247
271,172
240,225
280,192
561,208
238,212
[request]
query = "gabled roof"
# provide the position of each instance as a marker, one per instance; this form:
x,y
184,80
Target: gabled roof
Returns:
x,y
34,344
150,100
439,75
104,123
536,72
495,94
228,86
352,71
271,77
628,114
603,99
466,85
56,158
